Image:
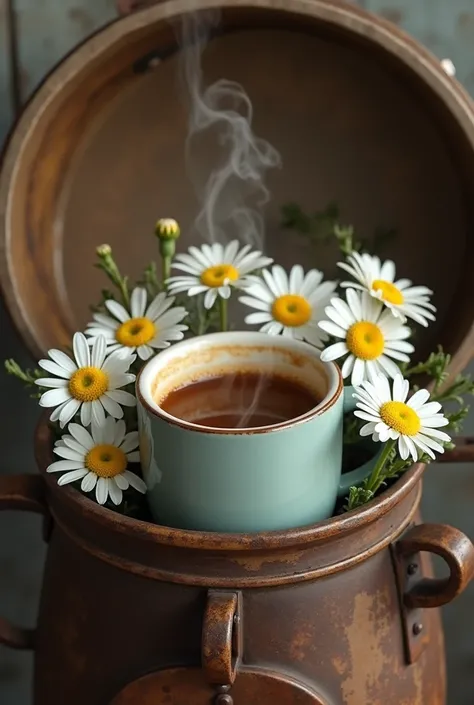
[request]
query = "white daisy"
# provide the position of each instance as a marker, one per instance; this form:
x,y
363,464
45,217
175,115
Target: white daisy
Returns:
x,y
370,337
404,300
100,459
291,305
215,269
91,382
144,328
414,422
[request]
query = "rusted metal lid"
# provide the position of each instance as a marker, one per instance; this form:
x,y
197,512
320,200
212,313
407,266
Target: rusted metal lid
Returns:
x,y
361,114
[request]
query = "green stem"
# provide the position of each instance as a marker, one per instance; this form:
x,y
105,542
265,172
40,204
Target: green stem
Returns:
x,y
166,259
223,313
122,284
375,478
202,316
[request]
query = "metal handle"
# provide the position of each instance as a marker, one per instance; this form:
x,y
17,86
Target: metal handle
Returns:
x,y
221,637
24,493
454,547
463,453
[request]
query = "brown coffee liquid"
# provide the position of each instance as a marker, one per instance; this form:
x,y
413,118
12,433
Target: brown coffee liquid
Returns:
x,y
241,400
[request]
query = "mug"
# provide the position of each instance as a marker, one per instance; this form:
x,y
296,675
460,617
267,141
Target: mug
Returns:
x,y
241,480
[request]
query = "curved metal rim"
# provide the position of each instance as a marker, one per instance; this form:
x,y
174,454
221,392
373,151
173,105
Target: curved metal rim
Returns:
x,y
341,15
205,540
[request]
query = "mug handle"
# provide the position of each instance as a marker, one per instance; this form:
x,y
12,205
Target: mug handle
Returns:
x,y
24,493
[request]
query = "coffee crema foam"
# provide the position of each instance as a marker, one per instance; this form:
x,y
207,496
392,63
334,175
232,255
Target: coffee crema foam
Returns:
x,y
243,399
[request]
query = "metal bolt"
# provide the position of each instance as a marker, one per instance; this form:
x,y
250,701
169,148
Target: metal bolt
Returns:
x,y
417,628
236,619
224,699
412,568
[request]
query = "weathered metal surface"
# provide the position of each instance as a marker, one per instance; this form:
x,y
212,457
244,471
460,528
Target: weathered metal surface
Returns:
x,y
423,146
183,686
445,28
331,616
220,644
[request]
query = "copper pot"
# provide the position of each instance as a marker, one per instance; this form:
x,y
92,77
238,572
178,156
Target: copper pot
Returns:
x,y
340,613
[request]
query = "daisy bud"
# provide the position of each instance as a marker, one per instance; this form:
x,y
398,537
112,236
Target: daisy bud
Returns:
x,y
104,251
167,229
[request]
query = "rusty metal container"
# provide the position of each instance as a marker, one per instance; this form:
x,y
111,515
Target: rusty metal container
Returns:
x,y
359,112
342,613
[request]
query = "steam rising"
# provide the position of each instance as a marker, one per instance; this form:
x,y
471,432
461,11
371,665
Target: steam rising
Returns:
x,y
232,197
232,193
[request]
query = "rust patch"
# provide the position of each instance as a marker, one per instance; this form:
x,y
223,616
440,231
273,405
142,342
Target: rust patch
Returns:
x,y
254,563
303,640
368,657
339,665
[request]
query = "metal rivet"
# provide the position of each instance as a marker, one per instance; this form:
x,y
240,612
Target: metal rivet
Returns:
x,y
417,628
222,688
412,568
224,699
236,619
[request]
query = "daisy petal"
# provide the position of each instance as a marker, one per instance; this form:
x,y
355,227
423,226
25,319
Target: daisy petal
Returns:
x,y
98,352
102,490
418,399
135,481
62,465
68,411
81,435
72,476
110,406
122,482
115,492
117,310
54,397
333,352
63,360
54,369
81,350
138,302
89,482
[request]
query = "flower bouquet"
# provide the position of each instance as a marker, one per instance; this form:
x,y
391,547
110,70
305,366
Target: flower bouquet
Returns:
x,y
363,322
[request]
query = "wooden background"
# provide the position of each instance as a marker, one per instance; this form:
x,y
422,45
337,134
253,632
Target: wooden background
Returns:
x,y
34,35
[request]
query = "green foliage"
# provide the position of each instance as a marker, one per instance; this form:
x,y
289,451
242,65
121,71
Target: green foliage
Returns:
x,y
27,377
323,227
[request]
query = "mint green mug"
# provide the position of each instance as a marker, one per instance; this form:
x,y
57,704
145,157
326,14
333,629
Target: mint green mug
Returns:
x,y
241,480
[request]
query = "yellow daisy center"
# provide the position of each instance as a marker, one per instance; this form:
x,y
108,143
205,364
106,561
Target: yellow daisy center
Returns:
x,y
365,340
216,276
106,460
390,292
291,310
135,332
400,417
88,384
